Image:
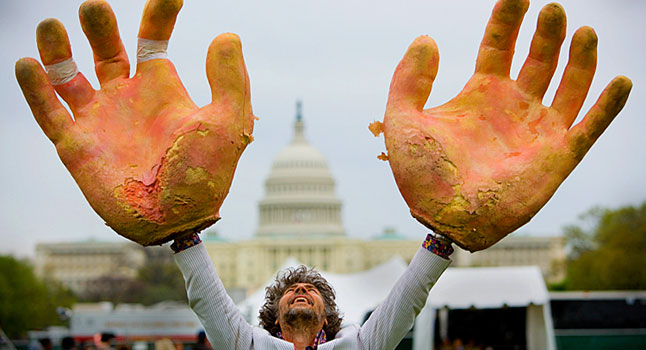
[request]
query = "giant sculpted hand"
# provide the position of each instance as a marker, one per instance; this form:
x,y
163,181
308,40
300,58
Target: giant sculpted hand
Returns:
x,y
481,165
149,161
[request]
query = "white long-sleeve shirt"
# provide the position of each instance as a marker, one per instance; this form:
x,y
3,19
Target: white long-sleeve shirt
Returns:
x,y
226,328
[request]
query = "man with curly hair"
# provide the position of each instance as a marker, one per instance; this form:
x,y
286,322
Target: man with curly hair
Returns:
x,y
307,301
300,311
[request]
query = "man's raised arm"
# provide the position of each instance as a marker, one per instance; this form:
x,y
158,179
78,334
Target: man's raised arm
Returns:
x,y
222,321
394,317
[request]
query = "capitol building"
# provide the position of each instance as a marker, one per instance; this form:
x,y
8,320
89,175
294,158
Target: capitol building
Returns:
x,y
299,218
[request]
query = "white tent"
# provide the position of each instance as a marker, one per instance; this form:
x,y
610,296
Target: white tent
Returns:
x,y
356,293
458,288
490,288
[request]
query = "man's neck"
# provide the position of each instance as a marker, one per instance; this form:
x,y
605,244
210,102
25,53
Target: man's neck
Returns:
x,y
301,338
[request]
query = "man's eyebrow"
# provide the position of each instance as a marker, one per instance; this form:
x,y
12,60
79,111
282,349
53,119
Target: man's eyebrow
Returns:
x,y
311,286
306,285
316,288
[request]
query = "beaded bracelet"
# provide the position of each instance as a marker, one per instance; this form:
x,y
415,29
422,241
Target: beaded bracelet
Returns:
x,y
185,242
438,245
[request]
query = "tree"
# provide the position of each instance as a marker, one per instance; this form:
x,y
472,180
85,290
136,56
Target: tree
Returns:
x,y
113,288
162,281
610,255
26,302
156,281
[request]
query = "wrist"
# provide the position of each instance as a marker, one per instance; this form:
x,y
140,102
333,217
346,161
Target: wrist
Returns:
x,y
438,245
185,242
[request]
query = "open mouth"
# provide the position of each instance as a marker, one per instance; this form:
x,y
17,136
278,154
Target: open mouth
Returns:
x,y
301,299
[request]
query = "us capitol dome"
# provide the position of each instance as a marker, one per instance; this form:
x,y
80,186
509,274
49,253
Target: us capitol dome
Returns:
x,y
300,199
299,219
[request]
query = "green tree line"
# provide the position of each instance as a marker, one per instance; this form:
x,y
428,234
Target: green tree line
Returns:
x,y
28,303
156,281
608,251
25,301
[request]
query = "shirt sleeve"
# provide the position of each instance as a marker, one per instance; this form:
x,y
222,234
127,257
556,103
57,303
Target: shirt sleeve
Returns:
x,y
223,323
394,317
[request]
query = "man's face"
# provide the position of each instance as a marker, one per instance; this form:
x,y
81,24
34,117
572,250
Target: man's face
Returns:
x,y
301,306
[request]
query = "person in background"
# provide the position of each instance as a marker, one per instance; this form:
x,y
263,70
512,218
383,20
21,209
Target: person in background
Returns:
x,y
458,344
164,344
46,343
68,343
202,343
34,345
103,341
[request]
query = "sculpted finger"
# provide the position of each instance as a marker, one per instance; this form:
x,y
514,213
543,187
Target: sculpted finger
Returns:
x,y
156,27
41,97
100,27
158,19
577,76
56,54
583,135
227,74
413,79
538,69
497,48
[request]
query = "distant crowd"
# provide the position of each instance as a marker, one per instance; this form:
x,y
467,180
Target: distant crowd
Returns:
x,y
459,344
108,341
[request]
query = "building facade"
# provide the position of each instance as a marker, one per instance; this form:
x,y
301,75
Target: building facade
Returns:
x,y
77,264
548,253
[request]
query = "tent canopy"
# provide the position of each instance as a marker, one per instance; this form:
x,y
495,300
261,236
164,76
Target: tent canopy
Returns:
x,y
356,293
458,288
489,287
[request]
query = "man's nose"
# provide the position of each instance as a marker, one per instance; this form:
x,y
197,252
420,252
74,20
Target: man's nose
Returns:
x,y
300,290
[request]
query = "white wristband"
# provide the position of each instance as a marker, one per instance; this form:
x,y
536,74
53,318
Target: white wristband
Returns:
x,y
62,72
151,49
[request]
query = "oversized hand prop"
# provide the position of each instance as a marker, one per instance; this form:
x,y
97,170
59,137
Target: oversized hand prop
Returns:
x,y
149,161
481,165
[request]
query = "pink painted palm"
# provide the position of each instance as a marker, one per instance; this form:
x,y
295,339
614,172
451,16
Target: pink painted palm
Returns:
x,y
149,161
481,165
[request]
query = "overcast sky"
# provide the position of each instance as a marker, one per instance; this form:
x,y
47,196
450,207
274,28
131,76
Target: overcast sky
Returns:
x,y
338,57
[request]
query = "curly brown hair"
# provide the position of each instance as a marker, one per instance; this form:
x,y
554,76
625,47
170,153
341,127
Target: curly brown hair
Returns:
x,y
288,277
